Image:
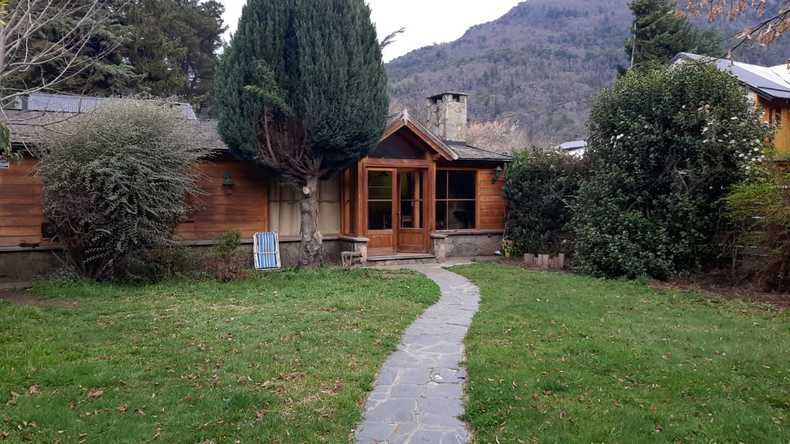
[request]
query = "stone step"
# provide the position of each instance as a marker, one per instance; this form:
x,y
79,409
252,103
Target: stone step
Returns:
x,y
402,259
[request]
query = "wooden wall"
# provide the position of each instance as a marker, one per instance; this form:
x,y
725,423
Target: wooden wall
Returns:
x,y
21,205
782,136
244,207
491,200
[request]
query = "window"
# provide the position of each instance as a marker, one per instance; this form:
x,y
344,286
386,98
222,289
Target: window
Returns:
x,y
380,200
456,199
285,215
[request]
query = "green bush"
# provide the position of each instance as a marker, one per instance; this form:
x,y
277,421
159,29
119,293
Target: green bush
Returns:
x,y
666,146
116,183
760,209
540,187
226,262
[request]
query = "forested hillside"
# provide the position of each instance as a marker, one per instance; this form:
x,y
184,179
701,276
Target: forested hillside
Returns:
x,y
539,65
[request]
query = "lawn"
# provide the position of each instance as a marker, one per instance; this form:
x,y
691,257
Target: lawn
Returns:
x,y
286,357
563,358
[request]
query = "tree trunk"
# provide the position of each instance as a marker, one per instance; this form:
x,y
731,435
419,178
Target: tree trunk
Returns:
x,y
312,247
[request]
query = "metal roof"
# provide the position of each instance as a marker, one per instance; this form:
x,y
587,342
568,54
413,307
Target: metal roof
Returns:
x,y
61,103
573,145
34,127
772,82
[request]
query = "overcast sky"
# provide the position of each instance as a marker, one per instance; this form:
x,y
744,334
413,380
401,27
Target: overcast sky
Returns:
x,y
426,21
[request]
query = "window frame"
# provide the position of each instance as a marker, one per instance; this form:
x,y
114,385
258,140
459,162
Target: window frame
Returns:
x,y
447,199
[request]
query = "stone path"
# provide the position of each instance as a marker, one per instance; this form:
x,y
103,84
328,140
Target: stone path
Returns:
x,y
418,395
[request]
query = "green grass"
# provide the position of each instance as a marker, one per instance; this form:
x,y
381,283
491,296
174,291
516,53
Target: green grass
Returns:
x,y
563,358
285,357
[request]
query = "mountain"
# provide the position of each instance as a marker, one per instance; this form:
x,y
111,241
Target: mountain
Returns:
x,y
539,65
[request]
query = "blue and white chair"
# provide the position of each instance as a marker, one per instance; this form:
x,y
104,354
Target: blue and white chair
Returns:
x,y
267,251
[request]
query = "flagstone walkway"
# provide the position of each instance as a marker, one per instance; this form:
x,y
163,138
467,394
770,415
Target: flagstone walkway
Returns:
x,y
418,395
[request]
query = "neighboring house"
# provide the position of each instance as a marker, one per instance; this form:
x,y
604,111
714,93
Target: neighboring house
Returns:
x,y
769,88
422,190
576,148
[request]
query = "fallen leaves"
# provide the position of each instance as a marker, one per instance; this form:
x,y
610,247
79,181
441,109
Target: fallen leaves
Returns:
x,y
95,393
34,389
123,408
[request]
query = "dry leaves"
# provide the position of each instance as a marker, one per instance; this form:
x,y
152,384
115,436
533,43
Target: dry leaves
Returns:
x,y
95,393
123,408
34,389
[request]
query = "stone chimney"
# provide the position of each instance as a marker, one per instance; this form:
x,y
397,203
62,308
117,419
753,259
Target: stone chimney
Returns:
x,y
447,116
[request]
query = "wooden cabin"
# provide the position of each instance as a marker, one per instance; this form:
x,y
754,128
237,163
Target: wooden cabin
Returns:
x,y
422,192
768,88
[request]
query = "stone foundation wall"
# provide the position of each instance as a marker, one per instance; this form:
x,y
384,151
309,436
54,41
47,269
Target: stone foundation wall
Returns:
x,y
27,264
466,244
24,265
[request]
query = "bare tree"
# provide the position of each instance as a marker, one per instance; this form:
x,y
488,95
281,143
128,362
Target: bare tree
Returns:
x,y
768,30
20,22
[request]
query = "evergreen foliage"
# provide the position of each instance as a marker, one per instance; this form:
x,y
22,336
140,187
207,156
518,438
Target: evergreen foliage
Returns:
x,y
541,187
174,48
314,61
660,34
302,90
760,209
100,67
163,48
666,146
116,183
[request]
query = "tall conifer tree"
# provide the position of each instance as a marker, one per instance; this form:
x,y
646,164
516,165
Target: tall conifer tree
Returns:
x,y
302,90
659,33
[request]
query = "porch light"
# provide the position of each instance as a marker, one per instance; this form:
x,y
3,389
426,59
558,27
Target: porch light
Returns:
x,y
228,183
497,174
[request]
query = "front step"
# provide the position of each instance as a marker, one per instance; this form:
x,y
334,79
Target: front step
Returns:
x,y
402,259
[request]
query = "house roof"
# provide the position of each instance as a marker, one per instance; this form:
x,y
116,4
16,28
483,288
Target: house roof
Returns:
x,y
37,115
573,145
772,82
448,150
33,127
61,103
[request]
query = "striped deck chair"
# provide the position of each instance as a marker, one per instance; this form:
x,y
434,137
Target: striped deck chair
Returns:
x,y
267,251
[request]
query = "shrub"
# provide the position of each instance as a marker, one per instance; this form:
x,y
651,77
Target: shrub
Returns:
x,y
666,146
168,262
116,184
226,263
760,209
540,187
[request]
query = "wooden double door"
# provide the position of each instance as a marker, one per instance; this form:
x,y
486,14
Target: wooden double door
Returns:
x,y
397,211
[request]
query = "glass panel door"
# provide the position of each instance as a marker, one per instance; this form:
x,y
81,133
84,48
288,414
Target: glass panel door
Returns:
x,y
411,199
380,203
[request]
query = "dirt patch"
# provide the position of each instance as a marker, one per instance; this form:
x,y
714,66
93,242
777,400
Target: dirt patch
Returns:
x,y
20,297
712,288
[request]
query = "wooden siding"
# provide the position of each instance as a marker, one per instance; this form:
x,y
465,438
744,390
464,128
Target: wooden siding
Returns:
x,y
491,202
21,205
782,136
243,208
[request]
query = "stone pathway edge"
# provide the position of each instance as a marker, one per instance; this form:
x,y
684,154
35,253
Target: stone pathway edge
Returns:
x,y
418,396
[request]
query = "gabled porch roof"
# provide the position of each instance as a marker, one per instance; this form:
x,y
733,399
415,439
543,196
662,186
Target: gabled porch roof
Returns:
x,y
404,120
450,151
